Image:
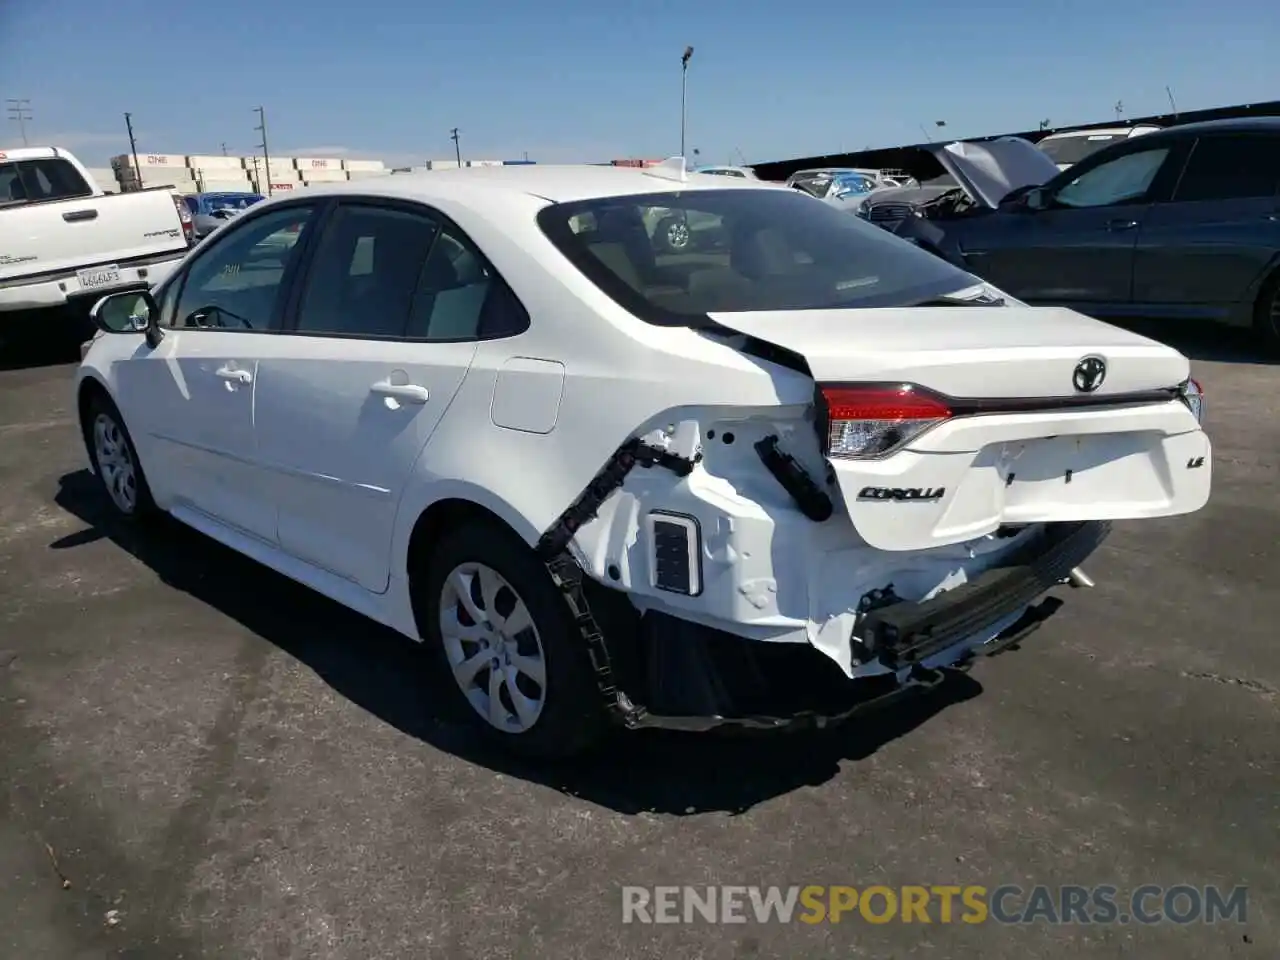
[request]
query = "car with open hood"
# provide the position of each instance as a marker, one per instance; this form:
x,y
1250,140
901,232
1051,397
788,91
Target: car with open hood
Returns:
x,y
1182,222
774,483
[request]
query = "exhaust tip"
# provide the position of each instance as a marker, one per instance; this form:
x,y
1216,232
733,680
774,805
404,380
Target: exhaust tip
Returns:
x,y
1079,579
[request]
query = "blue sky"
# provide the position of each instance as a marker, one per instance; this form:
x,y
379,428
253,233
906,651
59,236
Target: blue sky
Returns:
x,y
570,80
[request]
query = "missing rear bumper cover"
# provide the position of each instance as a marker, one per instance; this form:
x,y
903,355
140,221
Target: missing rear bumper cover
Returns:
x,y
906,633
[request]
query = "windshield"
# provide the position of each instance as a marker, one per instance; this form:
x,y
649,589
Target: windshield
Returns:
x,y
1073,149
672,258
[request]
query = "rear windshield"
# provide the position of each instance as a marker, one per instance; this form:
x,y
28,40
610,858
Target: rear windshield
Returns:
x,y
1073,149
31,181
673,258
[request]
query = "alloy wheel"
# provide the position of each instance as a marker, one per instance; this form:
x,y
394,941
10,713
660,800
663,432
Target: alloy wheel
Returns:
x,y
493,647
115,463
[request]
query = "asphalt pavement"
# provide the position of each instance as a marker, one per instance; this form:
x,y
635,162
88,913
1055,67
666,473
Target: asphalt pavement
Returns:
x,y
200,759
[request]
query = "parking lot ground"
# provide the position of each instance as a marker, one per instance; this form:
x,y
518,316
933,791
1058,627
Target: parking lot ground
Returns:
x,y
240,769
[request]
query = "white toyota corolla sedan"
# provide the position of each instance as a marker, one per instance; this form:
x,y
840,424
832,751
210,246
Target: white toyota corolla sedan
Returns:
x,y
781,475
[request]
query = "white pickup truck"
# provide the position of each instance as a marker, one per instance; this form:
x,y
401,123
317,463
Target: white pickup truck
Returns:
x,y
62,238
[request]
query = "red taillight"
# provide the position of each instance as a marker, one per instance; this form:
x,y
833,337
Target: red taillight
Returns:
x,y
872,421
883,403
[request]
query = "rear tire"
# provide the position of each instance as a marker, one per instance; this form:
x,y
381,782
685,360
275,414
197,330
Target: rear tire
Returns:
x,y
1266,315
496,624
115,461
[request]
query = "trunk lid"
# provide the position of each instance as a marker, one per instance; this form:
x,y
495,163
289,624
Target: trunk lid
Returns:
x,y
966,351
1023,443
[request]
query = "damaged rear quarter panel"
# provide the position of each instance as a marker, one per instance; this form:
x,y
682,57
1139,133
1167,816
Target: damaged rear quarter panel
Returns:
x,y
614,388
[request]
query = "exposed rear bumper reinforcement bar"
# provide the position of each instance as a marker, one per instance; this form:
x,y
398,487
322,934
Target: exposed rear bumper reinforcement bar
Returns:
x,y
905,633
920,680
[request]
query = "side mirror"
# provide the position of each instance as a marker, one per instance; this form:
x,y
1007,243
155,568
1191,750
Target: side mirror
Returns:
x,y
130,311
1036,199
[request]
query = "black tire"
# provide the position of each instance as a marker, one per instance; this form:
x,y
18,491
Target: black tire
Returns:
x,y
673,235
572,718
140,506
1266,315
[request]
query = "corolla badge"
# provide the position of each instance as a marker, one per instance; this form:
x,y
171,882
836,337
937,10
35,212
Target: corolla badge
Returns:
x,y
1089,374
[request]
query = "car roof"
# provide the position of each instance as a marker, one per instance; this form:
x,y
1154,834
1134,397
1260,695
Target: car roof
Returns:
x,y
1100,131
1231,125
551,182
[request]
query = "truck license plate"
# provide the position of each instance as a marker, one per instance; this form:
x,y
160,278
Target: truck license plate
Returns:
x,y
96,278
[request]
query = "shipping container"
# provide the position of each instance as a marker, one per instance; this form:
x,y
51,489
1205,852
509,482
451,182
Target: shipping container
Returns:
x,y
442,164
484,163
628,163
367,174
226,186
280,187
324,176
228,174
146,160
180,178
364,166
215,163
309,164
517,163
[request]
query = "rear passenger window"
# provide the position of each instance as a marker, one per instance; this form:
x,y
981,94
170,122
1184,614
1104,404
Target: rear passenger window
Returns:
x,y
366,272
32,181
452,292
1231,168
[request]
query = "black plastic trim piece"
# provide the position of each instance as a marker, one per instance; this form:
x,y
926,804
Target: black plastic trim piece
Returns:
x,y
583,510
905,633
812,500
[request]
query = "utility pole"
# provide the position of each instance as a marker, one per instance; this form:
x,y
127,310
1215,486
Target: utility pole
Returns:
x,y
224,149
1119,108
133,149
266,156
1172,104
684,82
20,110
457,147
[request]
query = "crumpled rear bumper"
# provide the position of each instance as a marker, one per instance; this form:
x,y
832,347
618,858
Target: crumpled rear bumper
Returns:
x,y
688,677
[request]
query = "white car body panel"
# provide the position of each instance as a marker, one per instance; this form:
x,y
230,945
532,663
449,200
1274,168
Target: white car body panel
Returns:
x,y
47,247
306,468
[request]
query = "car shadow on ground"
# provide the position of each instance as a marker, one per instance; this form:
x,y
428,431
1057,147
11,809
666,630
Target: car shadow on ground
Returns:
x,y
390,677
42,338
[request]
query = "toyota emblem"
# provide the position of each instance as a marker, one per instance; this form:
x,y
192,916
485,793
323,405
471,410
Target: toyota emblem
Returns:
x,y
1089,374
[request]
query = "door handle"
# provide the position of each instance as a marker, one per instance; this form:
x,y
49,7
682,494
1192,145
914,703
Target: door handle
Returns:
x,y
77,215
237,376
407,392
1122,224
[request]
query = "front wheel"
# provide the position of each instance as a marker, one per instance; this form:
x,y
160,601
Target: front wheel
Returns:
x,y
115,461
497,623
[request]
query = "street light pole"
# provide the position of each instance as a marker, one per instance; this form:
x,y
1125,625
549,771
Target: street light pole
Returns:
x,y
684,78
266,156
20,110
133,149
457,146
